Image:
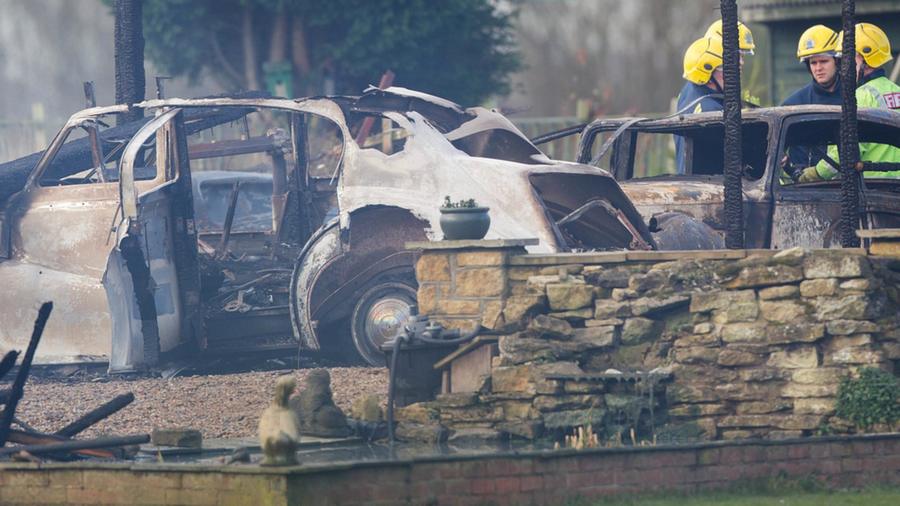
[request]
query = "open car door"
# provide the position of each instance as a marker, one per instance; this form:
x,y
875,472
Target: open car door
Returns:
x,y
153,280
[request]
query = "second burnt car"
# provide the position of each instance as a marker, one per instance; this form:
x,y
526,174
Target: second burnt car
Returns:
x,y
226,225
686,211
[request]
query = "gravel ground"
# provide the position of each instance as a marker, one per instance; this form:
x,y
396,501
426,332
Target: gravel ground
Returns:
x,y
219,406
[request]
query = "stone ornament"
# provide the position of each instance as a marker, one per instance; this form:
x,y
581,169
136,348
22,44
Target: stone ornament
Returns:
x,y
315,408
279,428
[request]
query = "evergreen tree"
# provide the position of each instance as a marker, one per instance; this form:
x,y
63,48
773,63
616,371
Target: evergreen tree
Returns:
x,y
460,49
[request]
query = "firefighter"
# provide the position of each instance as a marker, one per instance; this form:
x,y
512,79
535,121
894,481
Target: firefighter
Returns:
x,y
702,80
817,49
705,82
745,36
703,90
874,89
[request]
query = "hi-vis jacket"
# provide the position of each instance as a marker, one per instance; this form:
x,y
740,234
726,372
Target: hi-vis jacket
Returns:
x,y
876,91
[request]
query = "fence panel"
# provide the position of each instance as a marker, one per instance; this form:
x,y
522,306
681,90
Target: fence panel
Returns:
x,y
23,137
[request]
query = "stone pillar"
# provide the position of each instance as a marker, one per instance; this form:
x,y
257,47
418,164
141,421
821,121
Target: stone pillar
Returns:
x,y
463,284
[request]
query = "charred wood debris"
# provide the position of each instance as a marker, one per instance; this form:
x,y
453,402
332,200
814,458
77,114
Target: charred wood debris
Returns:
x,y
33,446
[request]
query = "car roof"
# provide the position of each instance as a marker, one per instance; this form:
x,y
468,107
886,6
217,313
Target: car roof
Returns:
x,y
767,114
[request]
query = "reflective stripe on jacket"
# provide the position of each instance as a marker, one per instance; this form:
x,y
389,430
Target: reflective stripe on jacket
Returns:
x,y
876,92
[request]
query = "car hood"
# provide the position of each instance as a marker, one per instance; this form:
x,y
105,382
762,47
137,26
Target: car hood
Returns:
x,y
673,192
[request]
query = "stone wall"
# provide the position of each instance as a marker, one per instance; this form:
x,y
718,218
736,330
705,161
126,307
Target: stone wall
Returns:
x,y
676,346
521,478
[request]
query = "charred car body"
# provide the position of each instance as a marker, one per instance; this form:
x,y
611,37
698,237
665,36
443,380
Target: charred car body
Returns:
x,y
227,224
686,211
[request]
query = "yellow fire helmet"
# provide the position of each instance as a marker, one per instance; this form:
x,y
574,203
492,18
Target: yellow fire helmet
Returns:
x,y
745,36
872,43
817,40
701,59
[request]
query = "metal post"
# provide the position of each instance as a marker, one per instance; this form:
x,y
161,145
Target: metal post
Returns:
x,y
160,91
90,100
734,199
849,138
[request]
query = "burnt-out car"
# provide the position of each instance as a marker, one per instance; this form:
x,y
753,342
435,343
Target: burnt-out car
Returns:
x,y
686,211
232,224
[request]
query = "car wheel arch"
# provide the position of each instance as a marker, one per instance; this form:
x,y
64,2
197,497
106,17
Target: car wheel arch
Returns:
x,y
337,263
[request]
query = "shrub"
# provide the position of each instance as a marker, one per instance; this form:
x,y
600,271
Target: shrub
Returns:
x,y
462,204
869,399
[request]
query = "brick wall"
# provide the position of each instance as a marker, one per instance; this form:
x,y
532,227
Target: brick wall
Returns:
x,y
521,479
93,483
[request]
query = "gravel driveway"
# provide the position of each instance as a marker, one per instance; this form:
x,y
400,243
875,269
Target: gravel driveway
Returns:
x,y
218,405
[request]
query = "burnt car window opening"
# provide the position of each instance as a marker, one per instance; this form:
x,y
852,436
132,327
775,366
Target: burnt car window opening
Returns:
x,y
706,147
654,155
326,147
374,131
598,140
246,144
87,156
810,141
262,150
253,209
499,144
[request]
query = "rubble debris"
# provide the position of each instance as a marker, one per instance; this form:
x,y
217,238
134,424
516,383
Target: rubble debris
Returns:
x,y
17,390
8,362
218,405
180,437
75,445
34,438
58,446
97,414
241,454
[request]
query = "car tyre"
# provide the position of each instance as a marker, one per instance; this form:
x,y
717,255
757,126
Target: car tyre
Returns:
x,y
379,316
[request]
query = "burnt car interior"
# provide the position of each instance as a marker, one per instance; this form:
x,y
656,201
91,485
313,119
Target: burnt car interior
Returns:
x,y
262,180
806,142
648,152
580,214
248,236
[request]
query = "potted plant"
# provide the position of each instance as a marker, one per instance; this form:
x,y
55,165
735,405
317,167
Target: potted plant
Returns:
x,y
464,219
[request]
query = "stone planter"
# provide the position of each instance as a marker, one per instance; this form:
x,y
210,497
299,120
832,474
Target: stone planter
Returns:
x,y
465,223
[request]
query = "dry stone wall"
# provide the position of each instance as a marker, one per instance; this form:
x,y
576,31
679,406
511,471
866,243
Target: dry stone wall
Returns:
x,y
709,345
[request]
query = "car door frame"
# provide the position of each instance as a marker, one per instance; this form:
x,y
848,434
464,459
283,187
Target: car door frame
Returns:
x,y
155,263
809,198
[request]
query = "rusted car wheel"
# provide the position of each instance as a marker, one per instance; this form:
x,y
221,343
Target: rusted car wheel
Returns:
x,y
379,316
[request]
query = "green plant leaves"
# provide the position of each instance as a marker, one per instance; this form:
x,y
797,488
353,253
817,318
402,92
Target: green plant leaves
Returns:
x,y
870,399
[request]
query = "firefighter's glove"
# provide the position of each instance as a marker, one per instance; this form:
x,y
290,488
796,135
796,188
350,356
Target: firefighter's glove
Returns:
x,y
808,175
792,171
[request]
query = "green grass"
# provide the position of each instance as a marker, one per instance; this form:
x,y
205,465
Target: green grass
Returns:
x,y
776,493
842,498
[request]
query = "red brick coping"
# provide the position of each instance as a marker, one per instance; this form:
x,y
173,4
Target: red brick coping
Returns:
x,y
531,477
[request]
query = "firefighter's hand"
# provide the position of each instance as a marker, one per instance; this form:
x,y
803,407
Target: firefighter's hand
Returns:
x,y
808,175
